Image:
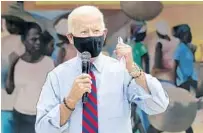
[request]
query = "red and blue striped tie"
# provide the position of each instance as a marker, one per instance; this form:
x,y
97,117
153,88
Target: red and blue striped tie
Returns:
x,y
90,114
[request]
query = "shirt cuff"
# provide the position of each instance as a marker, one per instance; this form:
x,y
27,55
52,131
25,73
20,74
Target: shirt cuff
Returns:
x,y
54,118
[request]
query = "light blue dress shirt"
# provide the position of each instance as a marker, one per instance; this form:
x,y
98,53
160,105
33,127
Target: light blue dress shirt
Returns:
x,y
114,97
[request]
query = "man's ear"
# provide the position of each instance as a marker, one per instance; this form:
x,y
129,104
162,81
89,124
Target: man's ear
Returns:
x,y
70,38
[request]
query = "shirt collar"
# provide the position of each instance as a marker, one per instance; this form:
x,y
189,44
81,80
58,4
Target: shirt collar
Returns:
x,y
98,62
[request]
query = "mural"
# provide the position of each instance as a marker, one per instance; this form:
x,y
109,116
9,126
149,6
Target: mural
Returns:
x,y
33,42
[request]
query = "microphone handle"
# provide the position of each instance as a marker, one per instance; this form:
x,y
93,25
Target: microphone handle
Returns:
x,y
85,69
85,97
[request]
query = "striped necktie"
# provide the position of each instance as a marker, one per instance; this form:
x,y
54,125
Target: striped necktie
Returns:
x,y
90,114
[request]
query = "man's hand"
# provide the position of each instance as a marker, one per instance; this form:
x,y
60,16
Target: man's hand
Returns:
x,y
81,85
124,50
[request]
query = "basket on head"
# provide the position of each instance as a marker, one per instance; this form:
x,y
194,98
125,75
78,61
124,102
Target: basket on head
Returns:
x,y
141,10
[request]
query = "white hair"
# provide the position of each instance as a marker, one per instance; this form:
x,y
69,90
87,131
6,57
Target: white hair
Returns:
x,y
84,10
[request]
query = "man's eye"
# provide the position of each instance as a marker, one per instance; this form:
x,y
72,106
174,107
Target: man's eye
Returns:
x,y
96,31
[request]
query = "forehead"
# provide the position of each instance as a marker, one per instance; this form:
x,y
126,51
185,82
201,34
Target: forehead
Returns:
x,y
33,32
82,22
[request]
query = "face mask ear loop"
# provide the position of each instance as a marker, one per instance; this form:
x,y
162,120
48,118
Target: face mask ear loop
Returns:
x,y
72,37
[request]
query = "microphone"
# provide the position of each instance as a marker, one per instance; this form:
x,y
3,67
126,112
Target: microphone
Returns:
x,y
85,56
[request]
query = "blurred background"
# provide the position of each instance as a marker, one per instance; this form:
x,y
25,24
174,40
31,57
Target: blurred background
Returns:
x,y
33,42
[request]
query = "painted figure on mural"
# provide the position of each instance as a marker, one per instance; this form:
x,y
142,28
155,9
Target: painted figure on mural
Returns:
x,y
66,50
138,32
25,87
185,77
164,49
184,56
48,42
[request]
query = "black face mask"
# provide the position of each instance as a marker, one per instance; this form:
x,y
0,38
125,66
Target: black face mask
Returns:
x,y
90,44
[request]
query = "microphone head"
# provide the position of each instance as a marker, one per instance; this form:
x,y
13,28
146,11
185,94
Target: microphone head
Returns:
x,y
85,56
